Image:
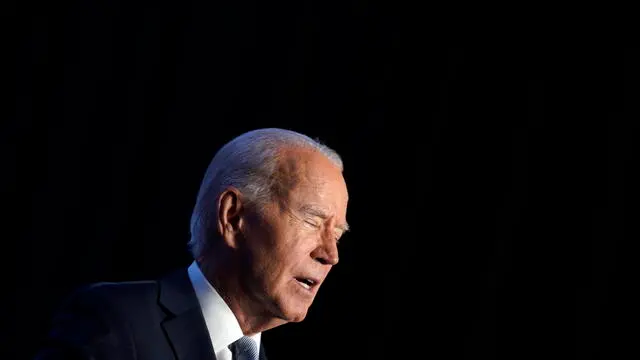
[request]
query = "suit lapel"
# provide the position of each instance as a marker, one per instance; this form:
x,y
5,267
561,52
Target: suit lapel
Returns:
x,y
187,342
184,325
262,355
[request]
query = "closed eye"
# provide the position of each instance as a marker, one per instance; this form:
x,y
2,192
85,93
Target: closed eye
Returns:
x,y
312,224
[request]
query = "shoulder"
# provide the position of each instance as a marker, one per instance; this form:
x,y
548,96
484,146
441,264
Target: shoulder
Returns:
x,y
92,322
131,299
99,320
109,301
115,293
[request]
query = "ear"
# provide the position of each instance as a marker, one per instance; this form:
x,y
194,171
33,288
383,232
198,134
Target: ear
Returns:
x,y
230,216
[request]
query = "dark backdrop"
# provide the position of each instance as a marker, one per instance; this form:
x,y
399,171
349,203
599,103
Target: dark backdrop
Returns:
x,y
492,189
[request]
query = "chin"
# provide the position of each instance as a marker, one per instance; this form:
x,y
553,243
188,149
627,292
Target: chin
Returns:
x,y
293,313
298,317
292,306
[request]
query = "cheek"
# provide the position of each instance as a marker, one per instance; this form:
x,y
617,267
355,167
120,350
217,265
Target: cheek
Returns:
x,y
274,263
285,260
283,251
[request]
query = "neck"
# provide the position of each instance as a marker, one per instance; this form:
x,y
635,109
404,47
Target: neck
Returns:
x,y
250,313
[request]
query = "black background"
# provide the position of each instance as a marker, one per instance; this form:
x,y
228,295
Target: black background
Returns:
x,y
492,189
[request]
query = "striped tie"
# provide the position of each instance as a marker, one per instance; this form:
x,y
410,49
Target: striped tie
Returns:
x,y
244,349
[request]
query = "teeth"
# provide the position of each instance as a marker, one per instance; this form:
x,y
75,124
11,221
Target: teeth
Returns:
x,y
306,283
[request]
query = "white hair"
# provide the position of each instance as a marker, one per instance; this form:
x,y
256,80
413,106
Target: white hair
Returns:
x,y
248,163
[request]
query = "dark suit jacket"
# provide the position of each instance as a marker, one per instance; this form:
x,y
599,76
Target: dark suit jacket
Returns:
x,y
145,320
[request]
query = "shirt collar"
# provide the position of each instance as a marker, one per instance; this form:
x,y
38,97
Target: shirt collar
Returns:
x,y
222,324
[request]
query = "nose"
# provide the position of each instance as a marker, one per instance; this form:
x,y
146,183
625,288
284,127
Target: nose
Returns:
x,y
326,252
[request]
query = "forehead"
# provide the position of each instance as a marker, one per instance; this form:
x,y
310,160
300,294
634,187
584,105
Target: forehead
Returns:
x,y
314,181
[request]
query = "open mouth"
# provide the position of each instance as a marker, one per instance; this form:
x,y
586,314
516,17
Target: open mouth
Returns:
x,y
306,282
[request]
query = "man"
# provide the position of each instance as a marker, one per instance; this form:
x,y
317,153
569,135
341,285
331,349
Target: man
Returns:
x,y
264,234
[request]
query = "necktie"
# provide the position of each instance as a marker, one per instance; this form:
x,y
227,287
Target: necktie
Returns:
x,y
244,349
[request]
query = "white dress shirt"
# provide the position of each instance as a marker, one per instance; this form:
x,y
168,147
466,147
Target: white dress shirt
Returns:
x,y
221,323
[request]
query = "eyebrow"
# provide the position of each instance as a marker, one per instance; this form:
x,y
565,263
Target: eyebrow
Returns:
x,y
315,211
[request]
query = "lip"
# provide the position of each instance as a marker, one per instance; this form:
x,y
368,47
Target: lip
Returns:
x,y
305,285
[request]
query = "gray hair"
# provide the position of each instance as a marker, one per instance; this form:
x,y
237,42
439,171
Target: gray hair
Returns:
x,y
248,163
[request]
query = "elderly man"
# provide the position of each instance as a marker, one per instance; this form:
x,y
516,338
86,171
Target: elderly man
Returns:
x,y
264,232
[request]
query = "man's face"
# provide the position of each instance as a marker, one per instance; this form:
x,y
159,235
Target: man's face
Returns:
x,y
292,242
